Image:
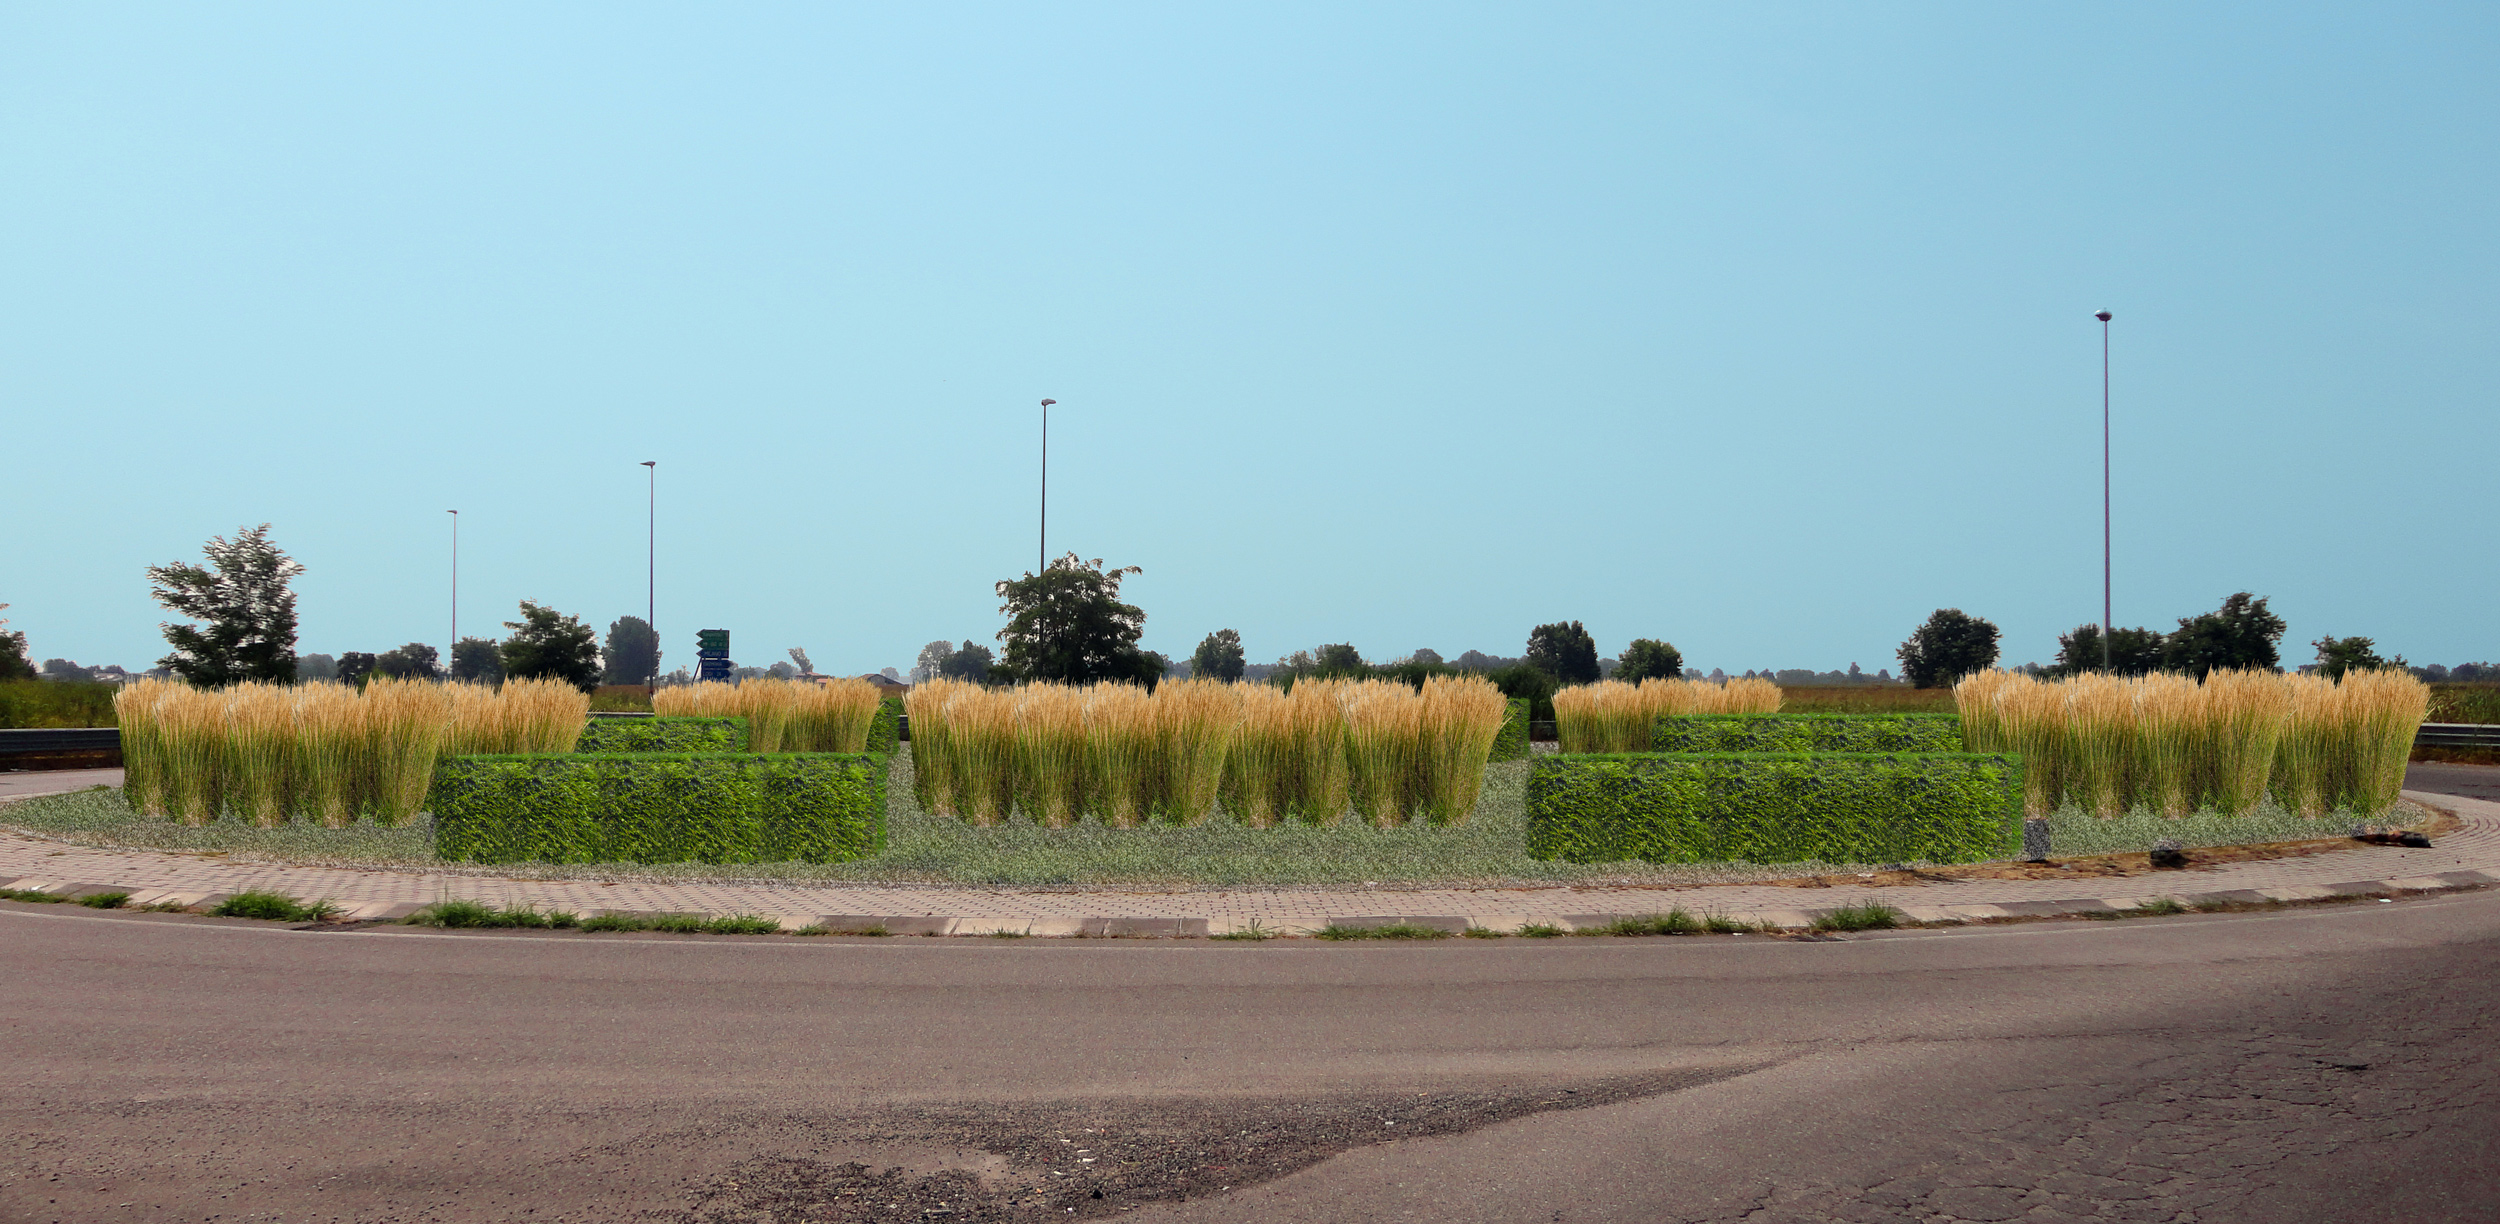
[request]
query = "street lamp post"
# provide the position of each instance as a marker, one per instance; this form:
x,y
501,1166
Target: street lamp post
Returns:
x,y
1041,554
651,575
2106,627
452,656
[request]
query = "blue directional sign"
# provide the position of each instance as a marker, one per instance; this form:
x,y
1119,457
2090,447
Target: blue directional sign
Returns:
x,y
712,661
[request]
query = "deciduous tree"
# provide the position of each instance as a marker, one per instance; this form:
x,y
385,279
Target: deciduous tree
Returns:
x,y
1951,645
2240,634
414,661
633,652
477,660
1219,657
249,610
1067,624
546,642
1564,651
1650,659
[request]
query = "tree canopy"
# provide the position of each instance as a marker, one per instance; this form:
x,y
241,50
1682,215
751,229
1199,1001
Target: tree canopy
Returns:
x,y
2337,656
2132,652
1650,659
548,643
972,663
2240,634
414,661
1218,657
1564,651
13,664
1950,645
249,610
477,660
633,652
1067,624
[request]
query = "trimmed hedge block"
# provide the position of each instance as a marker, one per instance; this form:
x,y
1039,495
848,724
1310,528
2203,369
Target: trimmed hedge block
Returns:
x,y
727,807
885,731
1808,733
1776,808
1512,743
663,734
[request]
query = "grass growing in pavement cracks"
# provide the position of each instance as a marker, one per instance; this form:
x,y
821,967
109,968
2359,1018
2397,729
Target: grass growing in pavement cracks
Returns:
x,y
30,896
1865,916
275,907
464,913
687,924
104,900
1394,930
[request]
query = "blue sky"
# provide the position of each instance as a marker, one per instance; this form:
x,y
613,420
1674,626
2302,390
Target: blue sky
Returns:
x,y
1763,329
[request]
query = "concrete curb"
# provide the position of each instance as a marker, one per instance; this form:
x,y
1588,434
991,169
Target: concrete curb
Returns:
x,y
1309,925
2466,857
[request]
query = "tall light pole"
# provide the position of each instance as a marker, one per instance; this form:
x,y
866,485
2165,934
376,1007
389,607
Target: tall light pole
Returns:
x,y
1041,554
452,657
651,576
2106,627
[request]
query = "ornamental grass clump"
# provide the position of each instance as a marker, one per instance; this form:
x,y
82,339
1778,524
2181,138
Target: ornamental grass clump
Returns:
x,y
1462,717
2174,746
933,746
831,715
269,754
1193,724
1126,757
1384,725
1612,716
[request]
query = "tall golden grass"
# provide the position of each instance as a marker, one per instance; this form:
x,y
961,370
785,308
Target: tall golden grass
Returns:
x,y
1613,716
269,754
2171,745
1060,754
783,715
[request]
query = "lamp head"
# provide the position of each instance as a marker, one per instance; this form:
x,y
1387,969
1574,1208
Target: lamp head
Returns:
x,y
2102,315
1048,403
650,463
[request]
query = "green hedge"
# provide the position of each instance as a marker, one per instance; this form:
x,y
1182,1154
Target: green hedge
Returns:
x,y
725,807
1808,733
885,731
663,734
1512,743
1776,808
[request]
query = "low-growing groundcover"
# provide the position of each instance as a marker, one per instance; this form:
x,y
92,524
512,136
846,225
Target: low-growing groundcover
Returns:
x,y
1488,850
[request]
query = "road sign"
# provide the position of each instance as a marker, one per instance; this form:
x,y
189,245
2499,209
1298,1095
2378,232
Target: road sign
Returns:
x,y
712,655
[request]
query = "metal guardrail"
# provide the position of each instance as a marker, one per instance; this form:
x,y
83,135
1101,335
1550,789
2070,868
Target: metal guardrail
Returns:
x,y
19,741
2457,735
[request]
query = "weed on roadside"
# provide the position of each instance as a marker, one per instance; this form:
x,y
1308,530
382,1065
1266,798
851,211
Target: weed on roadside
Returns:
x,y
2159,906
30,896
1394,930
461,912
1541,930
1865,916
1479,932
1673,922
1721,924
274,907
104,900
1253,933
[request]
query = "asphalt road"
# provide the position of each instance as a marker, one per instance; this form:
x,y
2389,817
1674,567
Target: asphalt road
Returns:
x,y
2327,1064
